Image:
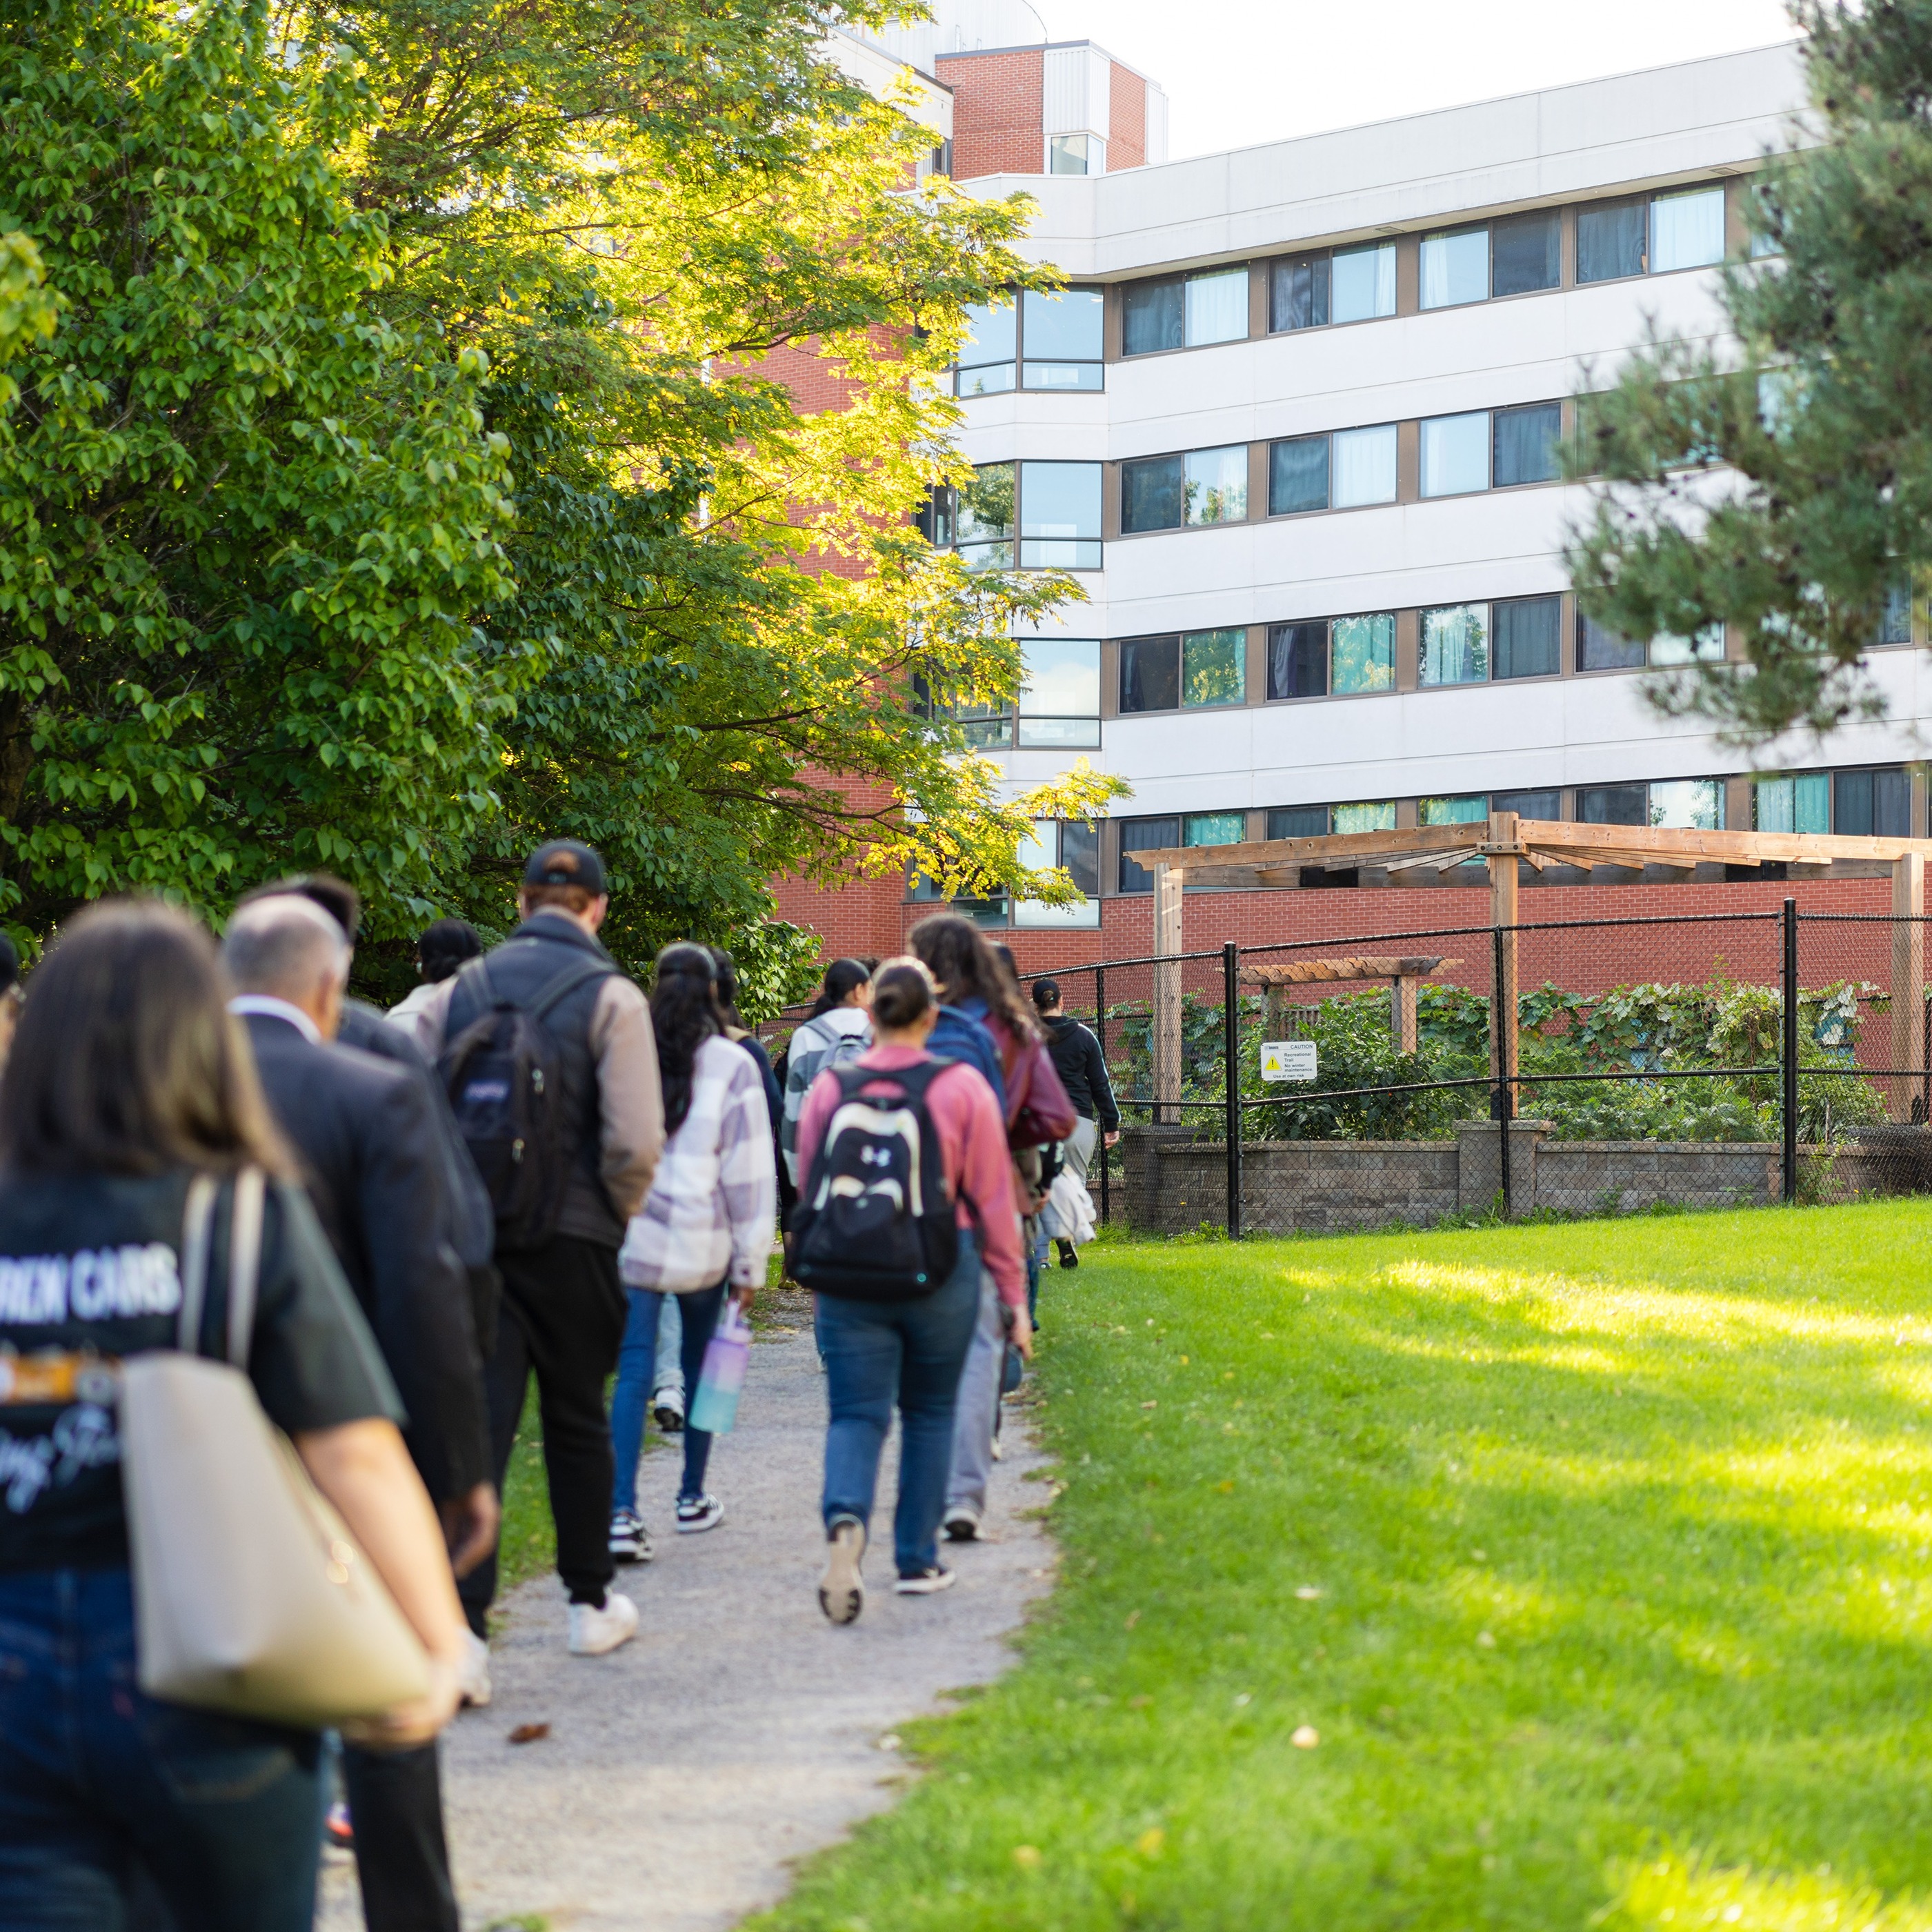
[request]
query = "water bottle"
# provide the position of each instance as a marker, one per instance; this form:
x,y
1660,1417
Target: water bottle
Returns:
x,y
726,1355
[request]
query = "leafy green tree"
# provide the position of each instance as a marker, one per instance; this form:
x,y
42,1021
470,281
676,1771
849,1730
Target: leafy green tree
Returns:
x,y
244,519
1820,410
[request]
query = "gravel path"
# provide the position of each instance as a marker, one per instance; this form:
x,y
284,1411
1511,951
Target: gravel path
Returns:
x,y
739,1731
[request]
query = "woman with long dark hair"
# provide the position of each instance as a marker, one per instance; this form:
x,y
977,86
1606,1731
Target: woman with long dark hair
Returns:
x,y
704,1231
128,1080
838,1029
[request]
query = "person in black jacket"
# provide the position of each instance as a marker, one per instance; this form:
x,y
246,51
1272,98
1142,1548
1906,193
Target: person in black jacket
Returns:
x,y
364,1133
1082,1067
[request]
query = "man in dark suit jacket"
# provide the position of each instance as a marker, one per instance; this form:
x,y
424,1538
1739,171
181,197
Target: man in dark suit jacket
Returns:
x,y
363,1129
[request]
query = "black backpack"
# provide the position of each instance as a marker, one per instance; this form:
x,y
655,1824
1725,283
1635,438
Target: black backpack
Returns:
x,y
875,1221
505,1078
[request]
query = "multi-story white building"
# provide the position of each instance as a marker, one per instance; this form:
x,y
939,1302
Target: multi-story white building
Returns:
x,y
1293,426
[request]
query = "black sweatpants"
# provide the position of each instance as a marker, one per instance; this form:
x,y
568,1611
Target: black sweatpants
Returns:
x,y
395,1803
563,1316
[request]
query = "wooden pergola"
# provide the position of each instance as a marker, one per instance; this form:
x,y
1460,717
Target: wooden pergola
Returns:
x,y
1405,975
1506,847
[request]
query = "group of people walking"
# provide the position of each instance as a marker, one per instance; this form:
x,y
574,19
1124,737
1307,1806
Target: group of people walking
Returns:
x,y
391,1225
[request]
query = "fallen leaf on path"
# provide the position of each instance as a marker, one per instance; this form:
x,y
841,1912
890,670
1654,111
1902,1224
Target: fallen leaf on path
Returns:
x,y
890,1742
529,1734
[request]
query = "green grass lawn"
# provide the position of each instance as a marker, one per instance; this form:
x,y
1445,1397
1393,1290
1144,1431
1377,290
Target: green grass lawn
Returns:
x,y
1597,1559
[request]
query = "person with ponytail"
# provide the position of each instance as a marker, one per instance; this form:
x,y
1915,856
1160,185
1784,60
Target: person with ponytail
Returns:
x,y
704,1231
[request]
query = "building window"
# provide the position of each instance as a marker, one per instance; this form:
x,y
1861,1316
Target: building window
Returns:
x,y
1528,633
1895,625
1525,253
1298,475
1526,442
1706,647
1214,828
988,356
1059,516
1455,267
1074,848
1143,834
1298,821
1456,645
1653,235
983,526
1060,339
1214,668
1613,805
1200,487
1456,454
1189,313
1075,154
1361,282
1150,674
1599,648
922,891
1298,294
986,728
1378,816
1298,663
1683,804
1802,803
1547,805
1362,654
1454,811
1362,467
1059,702
1873,805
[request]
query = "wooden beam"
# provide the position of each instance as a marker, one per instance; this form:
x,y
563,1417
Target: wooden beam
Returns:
x,y
1505,842
1403,1019
1169,882
1908,978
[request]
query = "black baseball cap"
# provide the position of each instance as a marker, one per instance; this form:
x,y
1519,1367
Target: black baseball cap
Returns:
x,y
564,862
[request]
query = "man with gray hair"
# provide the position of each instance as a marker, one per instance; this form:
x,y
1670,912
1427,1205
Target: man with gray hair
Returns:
x,y
362,1129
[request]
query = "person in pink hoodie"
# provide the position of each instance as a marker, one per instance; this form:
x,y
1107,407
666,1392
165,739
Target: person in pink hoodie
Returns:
x,y
910,1352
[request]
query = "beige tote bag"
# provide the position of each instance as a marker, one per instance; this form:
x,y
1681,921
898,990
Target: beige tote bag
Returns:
x,y
250,1597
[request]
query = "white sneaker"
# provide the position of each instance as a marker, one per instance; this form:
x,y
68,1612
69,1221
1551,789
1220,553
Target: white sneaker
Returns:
x,y
841,1591
593,1632
962,1524
473,1682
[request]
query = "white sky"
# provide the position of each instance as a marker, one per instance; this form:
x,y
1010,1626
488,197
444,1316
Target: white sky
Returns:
x,y
1241,71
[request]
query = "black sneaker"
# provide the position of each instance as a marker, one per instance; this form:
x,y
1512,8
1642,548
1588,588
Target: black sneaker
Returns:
x,y
669,1417
698,1513
926,1582
1070,1255
630,1540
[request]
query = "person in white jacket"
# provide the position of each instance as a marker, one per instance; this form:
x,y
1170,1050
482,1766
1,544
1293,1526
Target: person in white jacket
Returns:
x,y
839,1030
704,1231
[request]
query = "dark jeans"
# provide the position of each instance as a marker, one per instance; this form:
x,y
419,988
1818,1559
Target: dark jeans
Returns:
x,y
226,1815
563,1316
637,1364
876,1351
395,1802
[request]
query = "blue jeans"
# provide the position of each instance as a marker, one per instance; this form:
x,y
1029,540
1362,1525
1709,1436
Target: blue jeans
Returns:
x,y
225,1814
874,1352
636,1362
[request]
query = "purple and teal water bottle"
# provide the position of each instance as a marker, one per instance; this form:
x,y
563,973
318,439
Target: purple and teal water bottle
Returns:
x,y
714,1409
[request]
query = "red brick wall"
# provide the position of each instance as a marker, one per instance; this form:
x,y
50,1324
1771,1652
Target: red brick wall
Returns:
x,y
1126,120
999,111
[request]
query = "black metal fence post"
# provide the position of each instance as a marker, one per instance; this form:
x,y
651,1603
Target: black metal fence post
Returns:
x,y
1499,1101
1231,995
1100,1034
1790,1050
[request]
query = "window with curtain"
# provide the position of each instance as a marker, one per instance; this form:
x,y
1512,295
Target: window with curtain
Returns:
x,y
1547,804
1217,307
987,355
1298,660
1298,821
1154,316
1376,816
1456,644
1874,804
1216,485
1686,229
1613,240
1298,294
1895,624
1060,339
1214,828
1059,516
1059,702
1298,475
1456,454
1362,654
1599,648
1707,646
1688,805
1613,805
1525,253
1214,668
1150,674
1361,282
1455,267
1143,834
1154,494
1527,636
1801,803
1526,441
1454,811
985,524
1362,467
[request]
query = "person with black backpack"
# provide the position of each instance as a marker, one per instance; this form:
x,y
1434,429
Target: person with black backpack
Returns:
x,y
906,1185
546,1052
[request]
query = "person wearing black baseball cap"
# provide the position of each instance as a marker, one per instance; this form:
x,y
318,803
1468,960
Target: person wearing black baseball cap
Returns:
x,y
563,1307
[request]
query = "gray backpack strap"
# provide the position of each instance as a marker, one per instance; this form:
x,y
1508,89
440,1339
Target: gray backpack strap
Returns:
x,y
244,1261
196,1217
